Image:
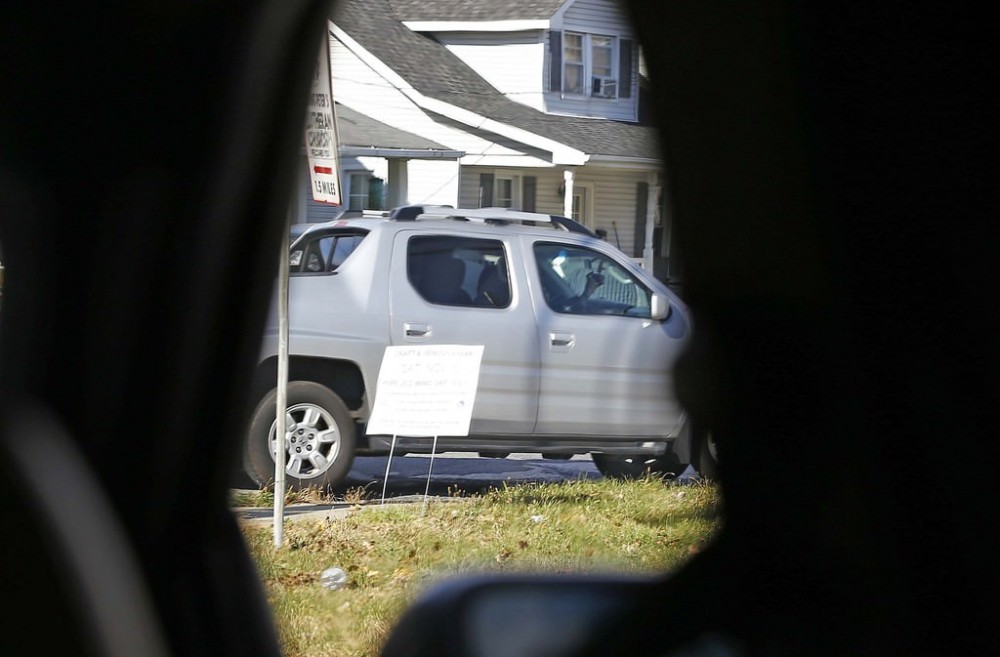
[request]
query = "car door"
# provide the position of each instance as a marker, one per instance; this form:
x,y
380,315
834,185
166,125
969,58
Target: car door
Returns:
x,y
606,366
448,289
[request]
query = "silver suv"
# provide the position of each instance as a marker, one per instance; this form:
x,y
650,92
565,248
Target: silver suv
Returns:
x,y
579,341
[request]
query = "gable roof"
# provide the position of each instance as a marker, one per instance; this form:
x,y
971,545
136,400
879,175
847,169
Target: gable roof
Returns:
x,y
474,10
436,73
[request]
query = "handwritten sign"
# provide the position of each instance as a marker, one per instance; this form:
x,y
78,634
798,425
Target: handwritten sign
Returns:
x,y
426,390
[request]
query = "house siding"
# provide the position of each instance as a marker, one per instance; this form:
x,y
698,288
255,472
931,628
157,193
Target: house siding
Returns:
x,y
604,18
513,62
614,197
599,15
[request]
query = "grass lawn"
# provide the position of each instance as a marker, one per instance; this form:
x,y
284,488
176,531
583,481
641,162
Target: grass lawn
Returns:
x,y
393,552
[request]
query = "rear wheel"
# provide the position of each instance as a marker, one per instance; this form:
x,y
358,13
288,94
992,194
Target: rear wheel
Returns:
x,y
707,456
319,438
618,466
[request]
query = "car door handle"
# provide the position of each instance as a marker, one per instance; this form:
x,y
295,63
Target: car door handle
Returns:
x,y
416,329
562,341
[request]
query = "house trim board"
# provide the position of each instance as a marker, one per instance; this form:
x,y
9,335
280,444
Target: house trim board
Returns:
x,y
625,162
417,154
477,26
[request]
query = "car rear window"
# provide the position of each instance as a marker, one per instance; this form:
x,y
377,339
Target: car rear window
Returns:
x,y
325,252
459,271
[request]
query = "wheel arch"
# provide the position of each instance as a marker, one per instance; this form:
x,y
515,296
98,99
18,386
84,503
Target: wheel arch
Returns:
x,y
341,376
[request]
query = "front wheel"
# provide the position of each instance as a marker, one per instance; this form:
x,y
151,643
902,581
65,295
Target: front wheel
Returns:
x,y
319,438
617,466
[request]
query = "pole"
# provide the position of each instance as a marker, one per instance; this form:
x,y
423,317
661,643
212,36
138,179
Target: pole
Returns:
x,y
652,196
281,405
430,469
388,464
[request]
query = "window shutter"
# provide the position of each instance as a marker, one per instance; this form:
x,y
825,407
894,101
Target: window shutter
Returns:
x,y
530,185
485,190
625,68
641,197
555,60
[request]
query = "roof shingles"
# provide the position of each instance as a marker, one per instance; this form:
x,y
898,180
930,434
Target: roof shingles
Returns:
x,y
474,10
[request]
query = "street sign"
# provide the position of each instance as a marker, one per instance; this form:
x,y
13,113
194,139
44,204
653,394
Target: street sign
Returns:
x,y
321,133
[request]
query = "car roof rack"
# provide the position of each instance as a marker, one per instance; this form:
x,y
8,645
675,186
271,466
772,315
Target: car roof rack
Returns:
x,y
411,212
496,216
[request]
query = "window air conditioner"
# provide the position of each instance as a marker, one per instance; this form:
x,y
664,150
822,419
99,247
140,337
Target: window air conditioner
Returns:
x,y
604,87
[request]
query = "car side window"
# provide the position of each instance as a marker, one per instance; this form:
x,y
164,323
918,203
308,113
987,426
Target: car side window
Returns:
x,y
581,281
459,271
324,253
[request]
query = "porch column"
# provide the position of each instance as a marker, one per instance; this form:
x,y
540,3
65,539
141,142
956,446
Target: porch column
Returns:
x,y
568,193
398,193
652,195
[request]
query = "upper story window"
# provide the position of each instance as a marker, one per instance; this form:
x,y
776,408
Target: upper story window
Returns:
x,y
589,65
602,56
573,64
594,65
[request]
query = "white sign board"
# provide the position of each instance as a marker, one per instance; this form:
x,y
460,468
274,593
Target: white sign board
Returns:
x,y
321,133
426,390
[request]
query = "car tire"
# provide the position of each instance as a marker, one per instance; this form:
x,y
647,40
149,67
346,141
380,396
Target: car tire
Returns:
x,y
620,466
706,460
319,444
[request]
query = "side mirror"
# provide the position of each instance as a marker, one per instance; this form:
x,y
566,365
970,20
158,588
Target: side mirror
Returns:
x,y
515,616
659,307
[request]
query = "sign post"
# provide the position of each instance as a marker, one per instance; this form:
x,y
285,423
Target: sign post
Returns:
x,y
321,144
281,403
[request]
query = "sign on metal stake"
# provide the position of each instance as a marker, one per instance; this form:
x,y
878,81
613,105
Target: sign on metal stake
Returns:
x,y
425,391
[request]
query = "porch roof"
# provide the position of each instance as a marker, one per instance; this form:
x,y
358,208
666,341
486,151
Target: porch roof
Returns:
x,y
362,135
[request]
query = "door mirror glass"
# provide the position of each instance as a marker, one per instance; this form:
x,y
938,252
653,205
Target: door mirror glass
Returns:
x,y
659,307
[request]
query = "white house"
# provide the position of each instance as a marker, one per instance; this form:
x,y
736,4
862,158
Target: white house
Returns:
x,y
531,104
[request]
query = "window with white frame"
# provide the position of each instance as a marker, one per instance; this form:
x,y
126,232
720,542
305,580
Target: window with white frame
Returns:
x,y
573,64
589,65
365,193
506,192
507,189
